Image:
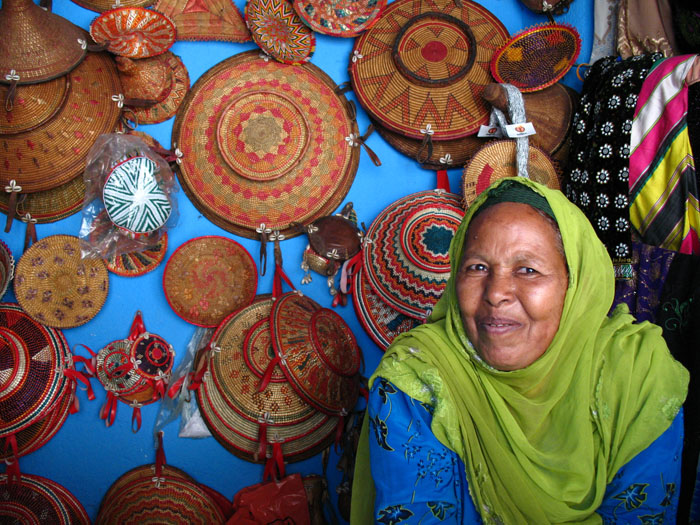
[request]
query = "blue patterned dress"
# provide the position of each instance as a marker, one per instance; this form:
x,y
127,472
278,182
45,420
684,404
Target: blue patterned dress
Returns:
x,y
418,480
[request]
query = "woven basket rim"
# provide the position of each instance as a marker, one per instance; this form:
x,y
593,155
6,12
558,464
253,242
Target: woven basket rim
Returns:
x,y
313,20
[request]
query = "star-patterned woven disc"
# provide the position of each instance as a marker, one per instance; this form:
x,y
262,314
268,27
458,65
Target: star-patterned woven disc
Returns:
x,y
278,30
56,286
421,68
346,18
407,261
133,197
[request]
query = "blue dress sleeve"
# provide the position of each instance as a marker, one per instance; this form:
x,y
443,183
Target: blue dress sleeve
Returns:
x,y
419,480
645,490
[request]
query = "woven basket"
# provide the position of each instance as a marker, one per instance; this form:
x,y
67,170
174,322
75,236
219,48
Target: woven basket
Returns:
x,y
407,263
32,382
496,160
35,159
208,278
416,83
7,268
58,288
178,84
279,32
213,20
144,501
35,499
346,18
37,45
133,32
381,322
316,175
236,412
105,5
537,57
34,104
318,353
134,264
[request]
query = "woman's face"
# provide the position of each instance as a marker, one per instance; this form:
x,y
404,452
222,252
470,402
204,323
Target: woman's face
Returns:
x,y
511,285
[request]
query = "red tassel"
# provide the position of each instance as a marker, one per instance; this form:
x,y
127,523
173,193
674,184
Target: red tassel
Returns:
x,y
443,182
137,327
267,376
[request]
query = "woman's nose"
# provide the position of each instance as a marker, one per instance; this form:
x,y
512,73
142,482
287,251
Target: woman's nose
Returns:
x,y
498,289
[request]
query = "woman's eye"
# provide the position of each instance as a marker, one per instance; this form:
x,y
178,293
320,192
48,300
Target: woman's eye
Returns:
x,y
476,268
527,270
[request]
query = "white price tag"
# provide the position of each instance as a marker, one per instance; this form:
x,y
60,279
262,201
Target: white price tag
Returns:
x,y
490,131
515,131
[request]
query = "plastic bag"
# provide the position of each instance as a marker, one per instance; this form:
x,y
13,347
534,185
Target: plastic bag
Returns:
x,y
279,502
130,197
184,404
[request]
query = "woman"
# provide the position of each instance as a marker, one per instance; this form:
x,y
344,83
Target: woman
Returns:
x,y
520,401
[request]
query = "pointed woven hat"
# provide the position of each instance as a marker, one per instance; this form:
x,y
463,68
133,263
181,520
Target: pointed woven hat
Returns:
x,y
37,45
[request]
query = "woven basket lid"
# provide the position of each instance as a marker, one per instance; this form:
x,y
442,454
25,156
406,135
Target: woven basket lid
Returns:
x,y
105,5
153,356
36,435
34,357
334,237
34,104
49,205
143,501
446,154
134,264
210,20
113,370
177,87
35,159
407,263
7,267
37,45
381,322
277,29
318,353
496,160
144,78
58,288
420,68
133,32
236,412
133,197
139,473
207,278
347,18
35,499
316,176
537,57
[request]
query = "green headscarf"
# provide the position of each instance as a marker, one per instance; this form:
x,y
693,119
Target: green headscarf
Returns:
x,y
540,444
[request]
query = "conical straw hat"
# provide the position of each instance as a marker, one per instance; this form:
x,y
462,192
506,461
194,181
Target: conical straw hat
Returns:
x,y
37,45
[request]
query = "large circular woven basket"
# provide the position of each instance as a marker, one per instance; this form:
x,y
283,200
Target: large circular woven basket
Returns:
x,y
265,145
421,67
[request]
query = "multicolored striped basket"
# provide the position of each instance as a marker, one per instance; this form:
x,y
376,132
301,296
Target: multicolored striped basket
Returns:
x,y
35,499
407,261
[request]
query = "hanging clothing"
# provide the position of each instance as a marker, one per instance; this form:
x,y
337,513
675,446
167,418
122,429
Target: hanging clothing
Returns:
x,y
663,187
542,443
645,26
597,175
